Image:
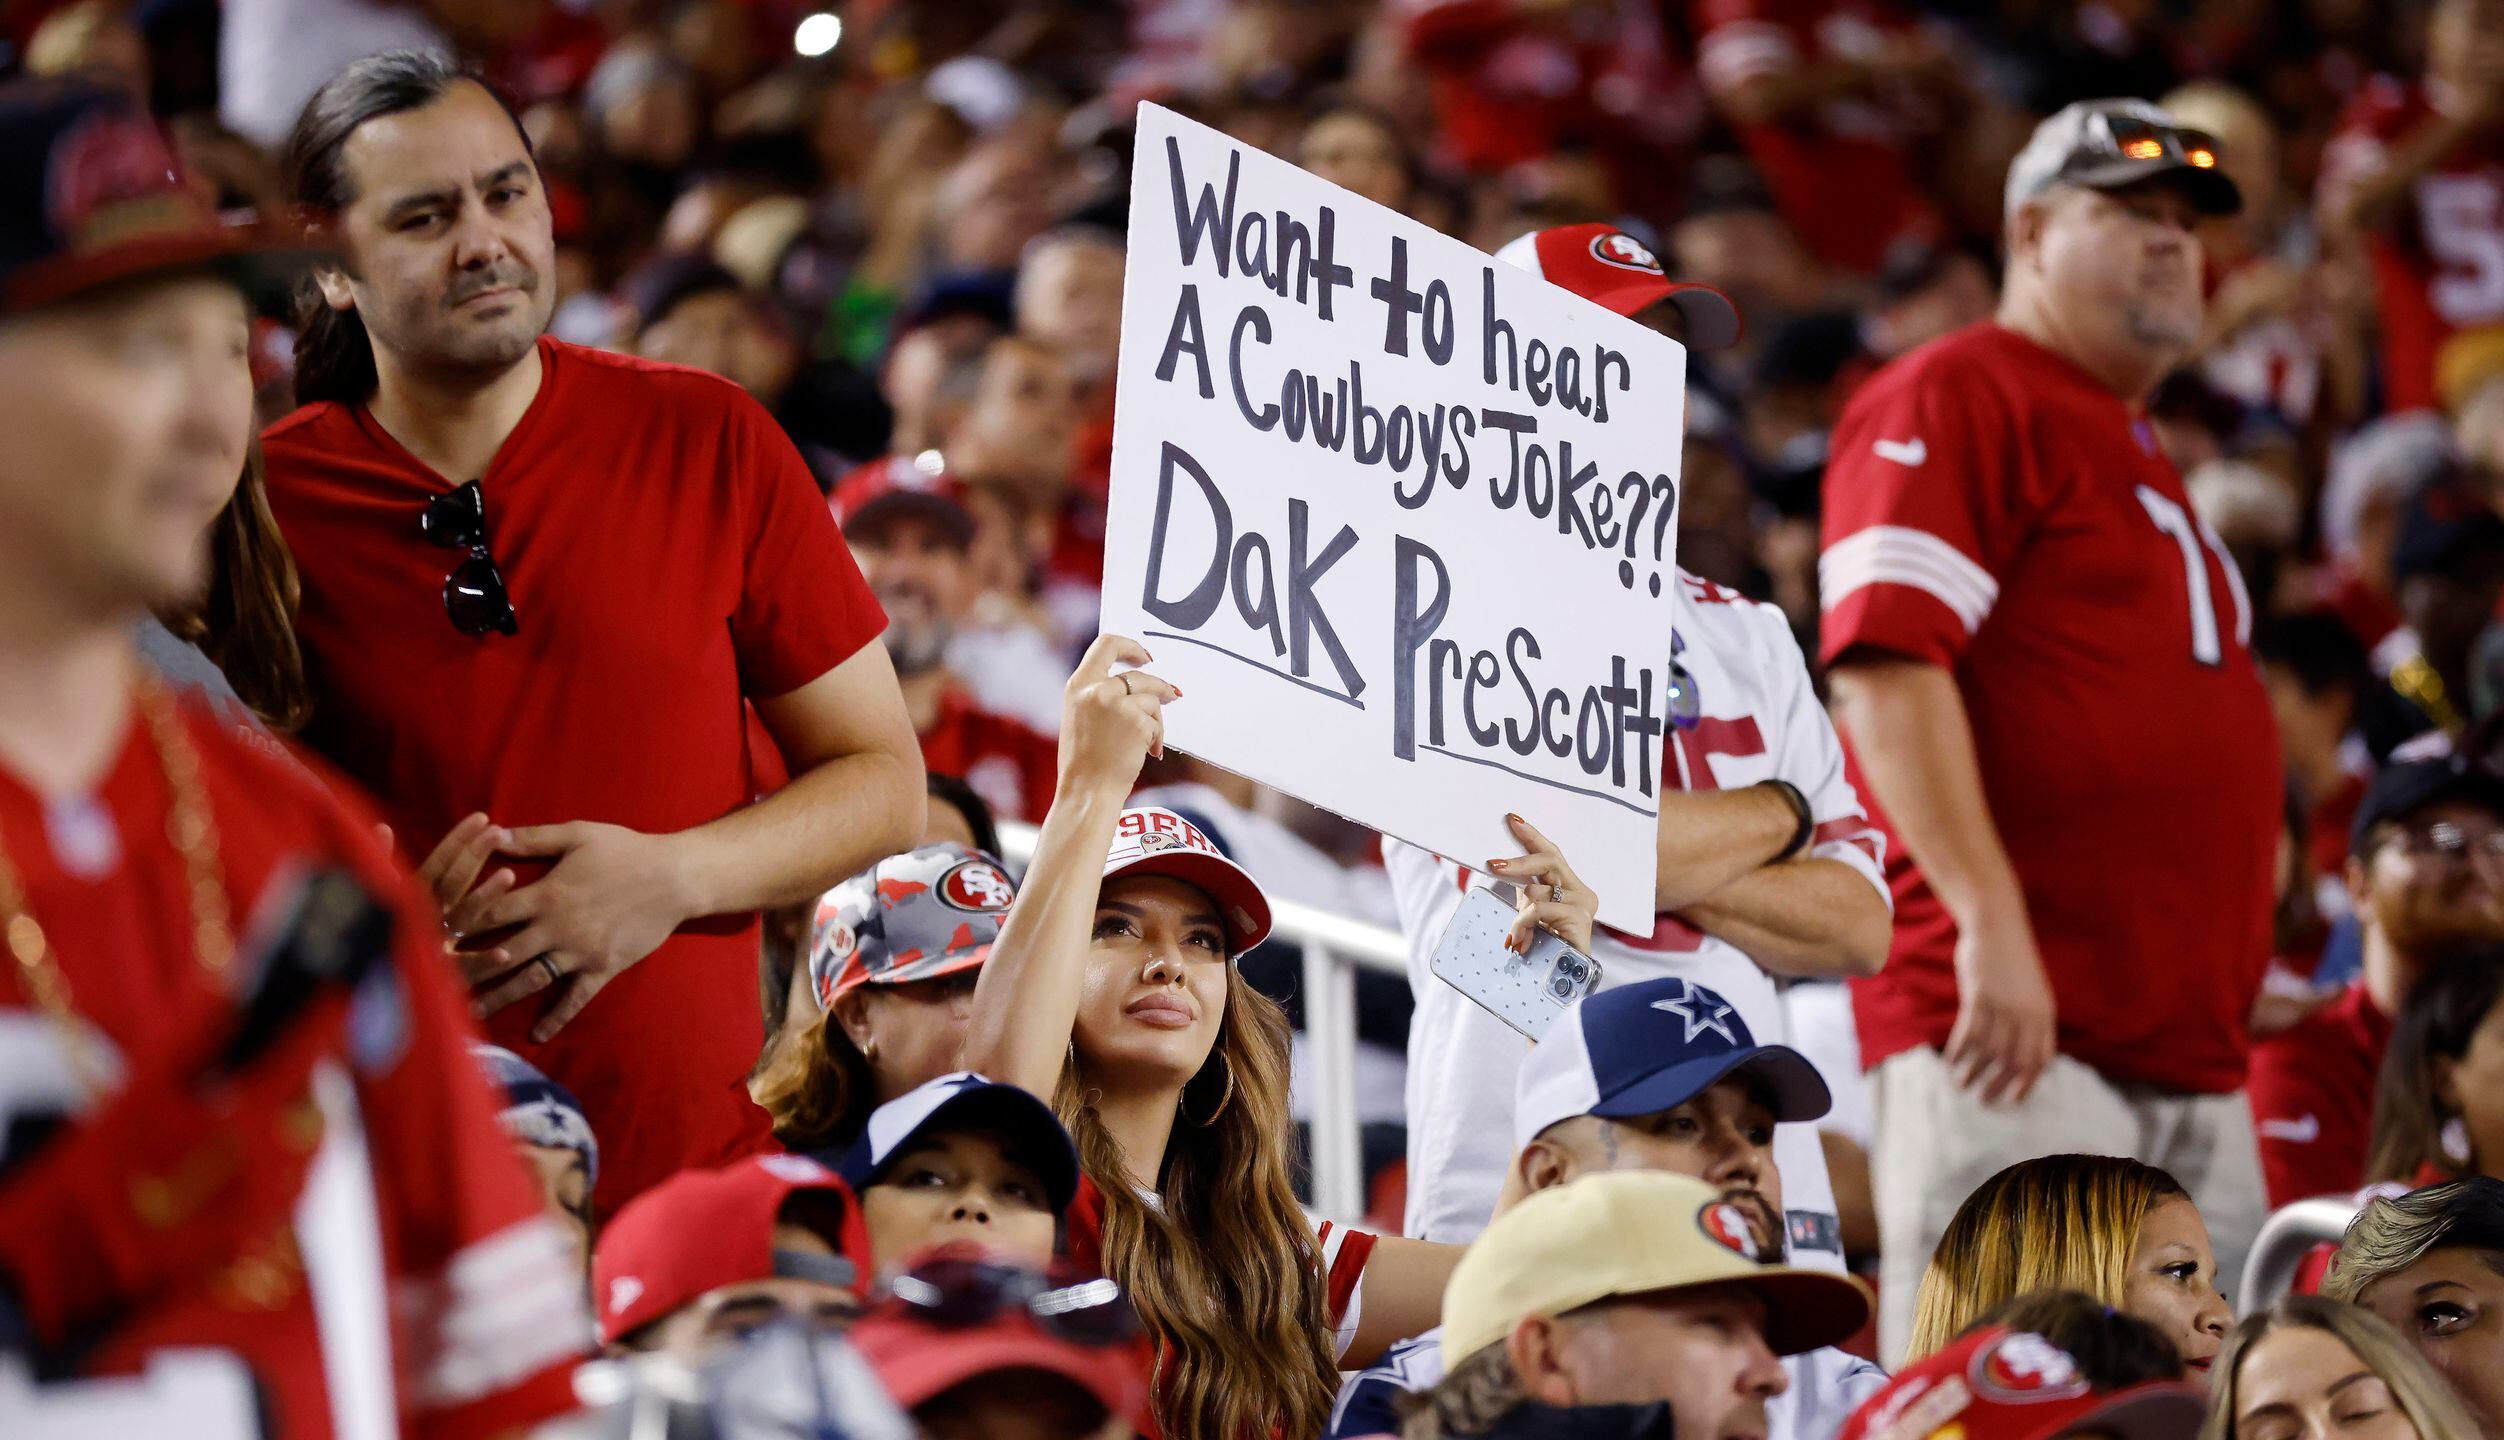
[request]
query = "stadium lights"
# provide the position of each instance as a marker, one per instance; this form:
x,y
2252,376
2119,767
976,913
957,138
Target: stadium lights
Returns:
x,y
817,34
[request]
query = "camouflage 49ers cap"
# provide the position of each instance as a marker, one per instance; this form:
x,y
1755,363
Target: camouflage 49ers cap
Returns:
x,y
922,915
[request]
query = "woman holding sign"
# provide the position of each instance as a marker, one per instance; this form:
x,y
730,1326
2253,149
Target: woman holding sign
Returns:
x,y
1112,990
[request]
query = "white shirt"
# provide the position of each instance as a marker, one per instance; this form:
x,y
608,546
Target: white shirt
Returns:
x,y
1760,720
273,54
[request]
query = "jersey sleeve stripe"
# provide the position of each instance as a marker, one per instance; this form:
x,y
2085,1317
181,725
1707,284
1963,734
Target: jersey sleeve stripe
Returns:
x,y
504,1308
1738,52
1901,555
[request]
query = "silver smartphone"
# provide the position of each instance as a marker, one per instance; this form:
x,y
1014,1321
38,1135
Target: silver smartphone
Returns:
x,y
1526,992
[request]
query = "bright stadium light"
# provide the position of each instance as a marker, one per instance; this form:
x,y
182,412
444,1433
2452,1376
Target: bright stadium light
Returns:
x,y
817,34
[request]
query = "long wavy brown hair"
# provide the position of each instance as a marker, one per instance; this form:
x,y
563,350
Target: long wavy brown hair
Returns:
x,y
1226,1275
816,1084
246,621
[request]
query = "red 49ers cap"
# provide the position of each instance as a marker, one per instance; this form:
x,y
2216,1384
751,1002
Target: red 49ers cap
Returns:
x,y
90,195
2002,1384
1611,268
869,495
702,1229
1151,840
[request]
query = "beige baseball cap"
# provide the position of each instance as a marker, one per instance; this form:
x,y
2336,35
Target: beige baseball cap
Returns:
x,y
1633,1233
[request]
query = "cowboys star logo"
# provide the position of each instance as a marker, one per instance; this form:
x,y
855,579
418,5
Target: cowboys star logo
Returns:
x,y
977,885
2026,1369
1625,252
1727,1224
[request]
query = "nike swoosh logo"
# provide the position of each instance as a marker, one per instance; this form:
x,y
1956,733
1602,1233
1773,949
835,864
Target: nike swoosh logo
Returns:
x,y
2302,1131
1907,453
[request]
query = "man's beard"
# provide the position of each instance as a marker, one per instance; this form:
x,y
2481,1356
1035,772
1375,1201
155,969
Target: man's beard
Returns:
x,y
439,338
917,646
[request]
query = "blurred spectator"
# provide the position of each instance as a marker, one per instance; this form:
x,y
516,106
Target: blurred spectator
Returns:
x,y
2122,1232
1353,145
880,1006
641,109
962,1159
1019,432
1069,295
553,1136
2413,174
2054,1363
2426,876
2448,570
985,1346
707,1256
2318,677
2439,1105
2330,1369
1928,291
934,366
2431,1264
2469,380
94,41
911,531
687,310
2374,477
2011,569
1599,1293
990,205
2258,517
1830,98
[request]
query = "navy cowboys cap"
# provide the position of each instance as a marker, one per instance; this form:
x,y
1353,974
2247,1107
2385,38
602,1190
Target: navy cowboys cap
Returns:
x,y
1652,1046
967,1101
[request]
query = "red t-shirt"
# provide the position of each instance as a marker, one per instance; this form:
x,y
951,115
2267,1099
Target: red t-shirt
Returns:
x,y
1009,764
2439,264
2312,1096
485,1307
1990,508
669,556
1840,178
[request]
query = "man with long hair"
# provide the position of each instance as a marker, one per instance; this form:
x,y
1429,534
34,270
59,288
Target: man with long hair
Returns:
x,y
208,1124
542,586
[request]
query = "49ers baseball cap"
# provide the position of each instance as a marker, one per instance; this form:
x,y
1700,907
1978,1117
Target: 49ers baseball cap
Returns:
x,y
1634,1232
1152,840
922,915
699,1230
91,195
967,1101
2003,1384
870,495
1652,1046
1612,269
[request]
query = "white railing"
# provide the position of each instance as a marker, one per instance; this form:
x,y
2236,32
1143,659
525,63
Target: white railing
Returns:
x,y
2285,1239
1335,948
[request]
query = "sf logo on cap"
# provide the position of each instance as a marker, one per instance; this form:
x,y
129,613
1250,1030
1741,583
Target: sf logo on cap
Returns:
x,y
2026,1369
1728,1226
976,885
1625,252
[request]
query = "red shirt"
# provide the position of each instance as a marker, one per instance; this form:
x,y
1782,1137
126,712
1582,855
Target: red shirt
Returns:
x,y
485,1306
1840,176
668,555
1010,765
2439,263
2312,1095
1990,508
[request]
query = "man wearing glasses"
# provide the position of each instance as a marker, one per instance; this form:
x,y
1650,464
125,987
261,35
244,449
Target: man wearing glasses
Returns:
x,y
2426,868
542,586
2039,657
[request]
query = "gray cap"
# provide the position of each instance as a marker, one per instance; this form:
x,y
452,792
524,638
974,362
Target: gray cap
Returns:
x,y
2096,144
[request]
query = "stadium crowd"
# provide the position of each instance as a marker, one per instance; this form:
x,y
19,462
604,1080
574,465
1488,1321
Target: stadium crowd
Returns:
x,y
542,542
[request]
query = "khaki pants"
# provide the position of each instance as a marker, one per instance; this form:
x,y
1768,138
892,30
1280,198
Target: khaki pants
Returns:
x,y
1936,1143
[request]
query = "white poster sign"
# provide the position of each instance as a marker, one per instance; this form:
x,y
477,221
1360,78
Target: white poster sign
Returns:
x,y
1399,518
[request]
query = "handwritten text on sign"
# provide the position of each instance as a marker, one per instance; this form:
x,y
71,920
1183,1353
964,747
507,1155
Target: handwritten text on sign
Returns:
x,y
1400,519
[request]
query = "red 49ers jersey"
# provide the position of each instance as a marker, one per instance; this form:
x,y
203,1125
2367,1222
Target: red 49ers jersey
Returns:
x,y
2439,265
1990,508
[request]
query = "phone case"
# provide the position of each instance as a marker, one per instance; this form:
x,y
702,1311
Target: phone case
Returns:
x,y
1526,992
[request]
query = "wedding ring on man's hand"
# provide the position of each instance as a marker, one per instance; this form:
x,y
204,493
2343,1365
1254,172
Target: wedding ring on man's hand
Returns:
x,y
1124,677
554,974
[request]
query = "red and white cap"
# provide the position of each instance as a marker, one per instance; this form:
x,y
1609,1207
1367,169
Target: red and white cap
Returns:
x,y
1150,840
2003,1384
702,1229
1611,268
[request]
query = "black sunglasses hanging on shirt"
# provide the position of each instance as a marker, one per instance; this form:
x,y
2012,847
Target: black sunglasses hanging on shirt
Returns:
x,y
473,594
